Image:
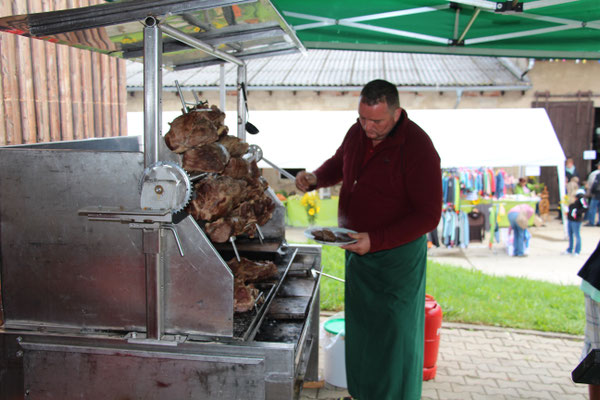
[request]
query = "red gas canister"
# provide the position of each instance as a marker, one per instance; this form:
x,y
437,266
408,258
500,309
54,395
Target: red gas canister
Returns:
x,y
433,325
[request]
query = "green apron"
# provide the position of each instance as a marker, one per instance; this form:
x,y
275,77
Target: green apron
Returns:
x,y
385,322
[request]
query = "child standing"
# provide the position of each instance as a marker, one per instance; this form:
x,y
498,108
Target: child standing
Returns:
x,y
574,217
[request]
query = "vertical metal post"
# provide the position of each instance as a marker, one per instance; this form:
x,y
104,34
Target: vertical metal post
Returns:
x,y
152,134
152,90
154,283
222,92
241,78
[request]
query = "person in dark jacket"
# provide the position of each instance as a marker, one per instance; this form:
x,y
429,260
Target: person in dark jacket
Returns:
x,y
590,285
391,195
594,194
574,218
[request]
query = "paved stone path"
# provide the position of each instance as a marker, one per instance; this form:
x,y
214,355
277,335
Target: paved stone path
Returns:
x,y
485,363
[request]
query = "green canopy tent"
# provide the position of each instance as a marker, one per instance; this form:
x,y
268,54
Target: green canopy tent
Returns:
x,y
529,28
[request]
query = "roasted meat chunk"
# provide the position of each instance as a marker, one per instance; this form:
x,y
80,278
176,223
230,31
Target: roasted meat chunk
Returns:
x,y
252,271
324,235
211,157
237,168
244,296
190,130
234,145
234,201
216,197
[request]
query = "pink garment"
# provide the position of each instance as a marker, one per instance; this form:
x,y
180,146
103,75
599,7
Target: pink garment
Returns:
x,y
526,208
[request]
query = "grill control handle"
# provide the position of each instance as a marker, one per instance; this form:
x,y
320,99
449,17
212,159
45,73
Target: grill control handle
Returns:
x,y
177,241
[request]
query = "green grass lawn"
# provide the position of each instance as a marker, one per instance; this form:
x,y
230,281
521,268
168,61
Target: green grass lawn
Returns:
x,y
473,297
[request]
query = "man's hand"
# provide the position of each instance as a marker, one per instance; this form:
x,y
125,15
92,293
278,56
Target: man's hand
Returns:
x,y
362,246
305,181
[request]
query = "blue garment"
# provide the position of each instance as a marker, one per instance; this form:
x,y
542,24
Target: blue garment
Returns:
x,y
445,189
463,221
519,237
448,230
594,207
574,228
500,185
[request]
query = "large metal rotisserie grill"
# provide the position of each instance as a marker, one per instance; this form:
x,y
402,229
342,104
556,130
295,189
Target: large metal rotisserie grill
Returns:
x,y
109,293
76,306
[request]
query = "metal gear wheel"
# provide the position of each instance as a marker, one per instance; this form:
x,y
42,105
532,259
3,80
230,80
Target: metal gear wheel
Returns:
x,y
165,185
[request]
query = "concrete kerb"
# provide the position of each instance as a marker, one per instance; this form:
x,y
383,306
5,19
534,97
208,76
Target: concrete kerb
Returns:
x,y
471,327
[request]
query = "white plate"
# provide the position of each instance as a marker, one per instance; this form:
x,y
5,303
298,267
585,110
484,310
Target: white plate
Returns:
x,y
335,230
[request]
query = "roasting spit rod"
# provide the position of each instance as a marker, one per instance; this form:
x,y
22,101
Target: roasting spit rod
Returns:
x,y
261,237
257,154
314,272
183,104
235,250
283,171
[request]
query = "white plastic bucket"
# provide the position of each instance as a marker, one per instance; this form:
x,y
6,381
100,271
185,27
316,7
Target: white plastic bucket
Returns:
x,y
334,352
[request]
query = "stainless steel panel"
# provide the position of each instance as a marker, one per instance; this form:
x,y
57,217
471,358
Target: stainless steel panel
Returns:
x,y
199,286
104,373
57,267
117,143
60,270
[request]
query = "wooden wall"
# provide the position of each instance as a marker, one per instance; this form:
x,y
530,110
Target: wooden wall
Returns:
x,y
52,92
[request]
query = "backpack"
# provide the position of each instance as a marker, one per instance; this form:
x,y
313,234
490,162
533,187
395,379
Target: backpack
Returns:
x,y
595,189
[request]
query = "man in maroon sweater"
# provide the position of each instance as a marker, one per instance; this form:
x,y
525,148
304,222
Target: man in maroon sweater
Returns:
x,y
391,195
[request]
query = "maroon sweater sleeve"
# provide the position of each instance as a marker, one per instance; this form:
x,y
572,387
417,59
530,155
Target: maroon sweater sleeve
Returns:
x,y
423,179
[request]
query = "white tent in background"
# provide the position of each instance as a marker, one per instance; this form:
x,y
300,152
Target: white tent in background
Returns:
x,y
471,138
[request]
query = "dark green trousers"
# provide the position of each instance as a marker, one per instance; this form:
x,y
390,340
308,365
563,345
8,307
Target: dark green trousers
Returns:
x,y
385,322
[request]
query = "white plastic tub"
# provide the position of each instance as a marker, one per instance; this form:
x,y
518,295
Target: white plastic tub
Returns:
x,y
334,353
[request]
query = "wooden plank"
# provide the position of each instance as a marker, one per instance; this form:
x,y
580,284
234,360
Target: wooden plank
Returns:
x,y
97,94
2,129
3,119
64,92
76,85
64,85
53,92
25,78
40,79
122,78
105,95
10,85
87,86
76,93
52,83
114,98
87,94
